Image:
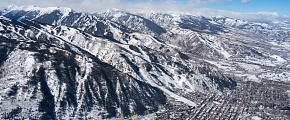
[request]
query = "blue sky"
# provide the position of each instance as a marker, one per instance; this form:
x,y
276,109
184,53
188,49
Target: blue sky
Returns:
x,y
242,9
245,6
279,6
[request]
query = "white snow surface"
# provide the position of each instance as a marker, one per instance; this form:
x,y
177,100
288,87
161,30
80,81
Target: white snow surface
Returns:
x,y
256,118
41,11
36,8
249,68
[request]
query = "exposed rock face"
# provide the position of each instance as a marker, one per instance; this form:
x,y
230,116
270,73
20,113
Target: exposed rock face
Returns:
x,y
50,81
56,63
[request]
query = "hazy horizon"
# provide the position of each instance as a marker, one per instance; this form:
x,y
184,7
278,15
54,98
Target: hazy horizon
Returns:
x,y
241,9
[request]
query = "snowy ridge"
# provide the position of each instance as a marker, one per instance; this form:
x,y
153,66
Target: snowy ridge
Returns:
x,y
30,65
32,8
121,64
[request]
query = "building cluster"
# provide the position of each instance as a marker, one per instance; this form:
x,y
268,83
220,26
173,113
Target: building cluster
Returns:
x,y
213,106
267,100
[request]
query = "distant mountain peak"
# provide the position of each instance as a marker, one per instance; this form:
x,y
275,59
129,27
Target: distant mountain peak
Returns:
x,y
36,8
61,64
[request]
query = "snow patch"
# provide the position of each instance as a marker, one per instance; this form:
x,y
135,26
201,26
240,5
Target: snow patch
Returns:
x,y
278,58
4,18
171,94
256,118
252,78
213,42
288,91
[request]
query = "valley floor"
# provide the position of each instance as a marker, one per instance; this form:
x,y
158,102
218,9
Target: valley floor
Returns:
x,y
250,100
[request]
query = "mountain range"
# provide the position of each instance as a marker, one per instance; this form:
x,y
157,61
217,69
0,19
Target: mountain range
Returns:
x,y
57,63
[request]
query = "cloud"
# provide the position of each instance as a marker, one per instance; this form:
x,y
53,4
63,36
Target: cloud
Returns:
x,y
205,2
189,6
245,1
101,5
258,16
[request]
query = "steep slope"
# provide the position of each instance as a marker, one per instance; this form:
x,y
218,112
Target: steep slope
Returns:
x,y
142,54
45,77
242,48
119,64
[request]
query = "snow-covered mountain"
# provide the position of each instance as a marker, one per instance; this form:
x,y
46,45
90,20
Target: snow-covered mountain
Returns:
x,y
57,63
